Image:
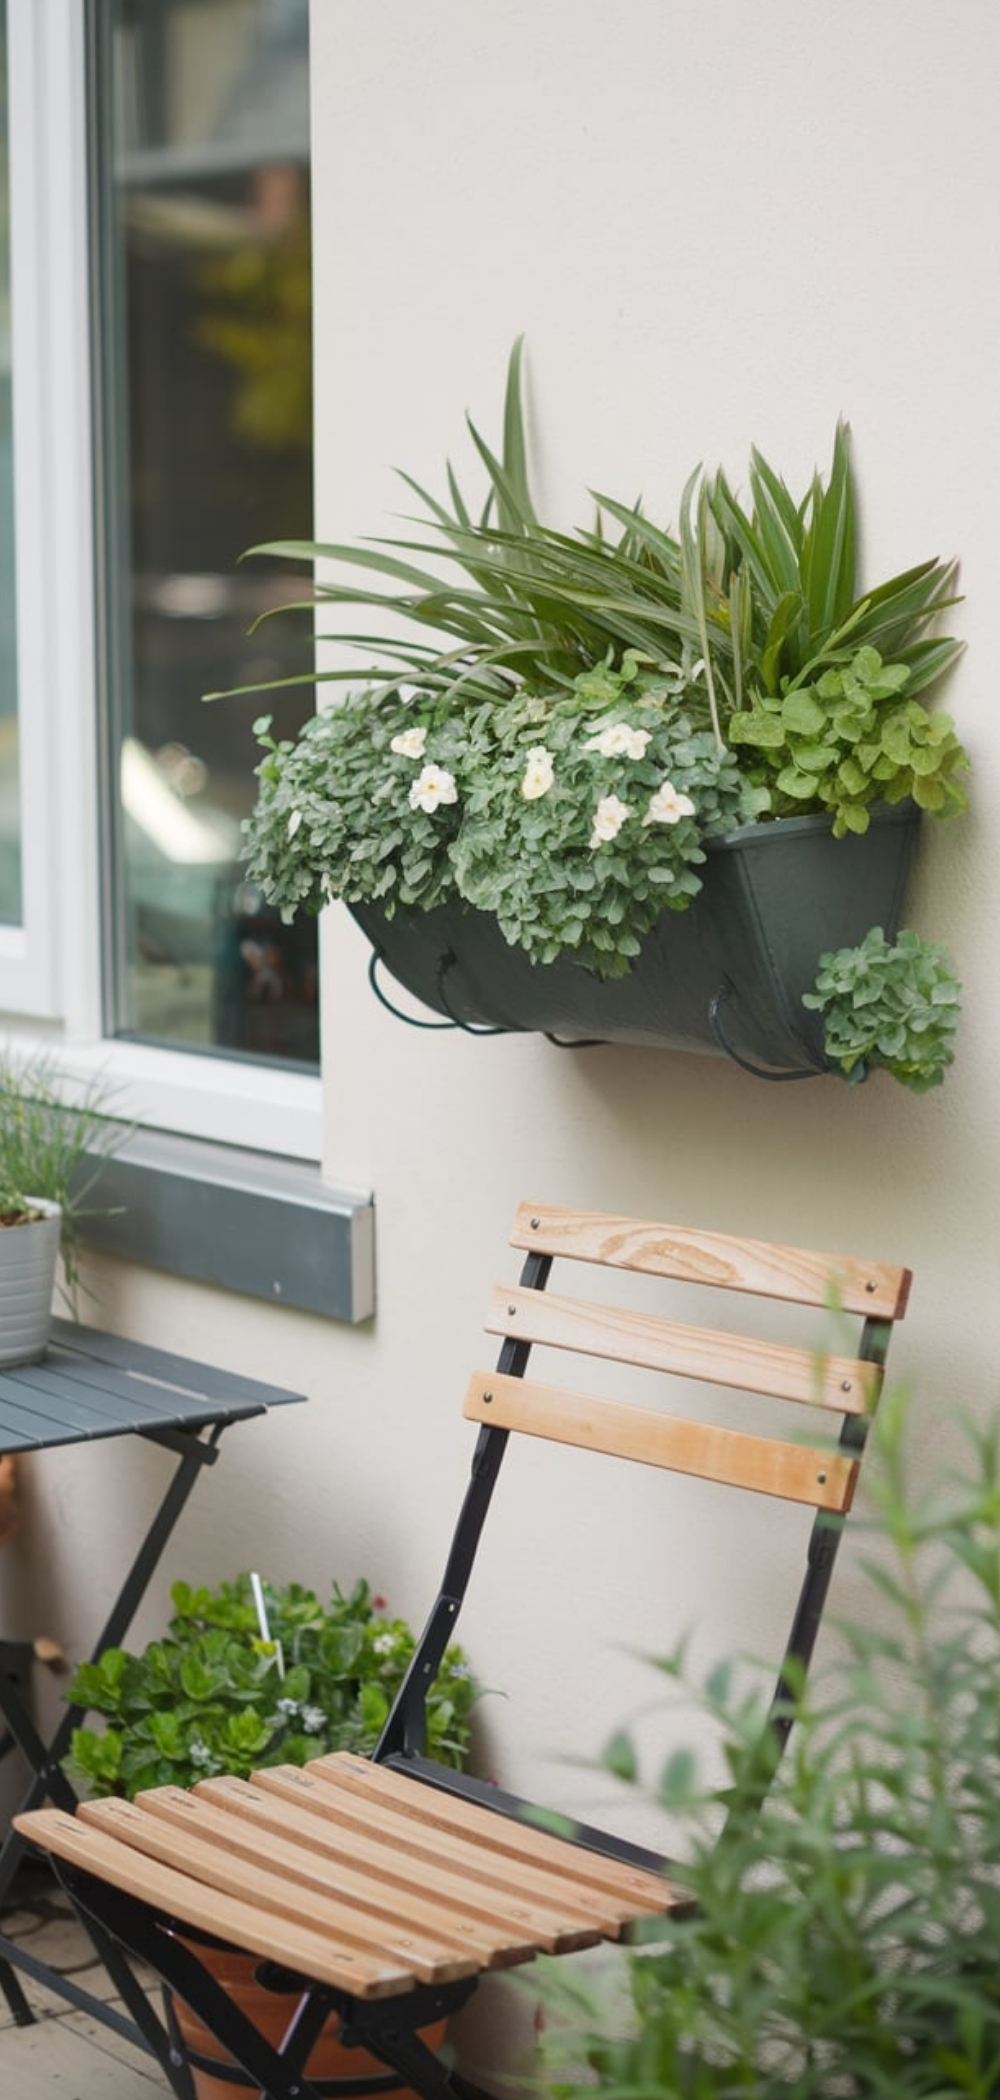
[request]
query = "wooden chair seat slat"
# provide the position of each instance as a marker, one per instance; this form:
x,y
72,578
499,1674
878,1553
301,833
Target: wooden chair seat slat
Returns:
x,y
774,1368
634,1887
876,1289
519,1925
195,1853
275,1938
309,1872
795,1473
557,1906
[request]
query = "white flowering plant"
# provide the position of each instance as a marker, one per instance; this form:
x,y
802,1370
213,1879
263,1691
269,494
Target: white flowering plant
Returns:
x,y
215,1696
550,726
576,816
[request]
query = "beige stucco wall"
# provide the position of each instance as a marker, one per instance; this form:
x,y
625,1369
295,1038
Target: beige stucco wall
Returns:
x,y
717,224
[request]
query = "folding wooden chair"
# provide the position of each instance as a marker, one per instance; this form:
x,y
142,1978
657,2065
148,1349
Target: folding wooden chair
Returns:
x,y
383,1889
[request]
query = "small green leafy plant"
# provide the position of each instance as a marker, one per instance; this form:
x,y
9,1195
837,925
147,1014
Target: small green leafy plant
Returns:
x,y
739,649
888,1006
52,1148
842,1943
214,1696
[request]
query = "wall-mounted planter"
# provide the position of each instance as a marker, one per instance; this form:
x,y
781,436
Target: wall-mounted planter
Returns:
x,y
728,973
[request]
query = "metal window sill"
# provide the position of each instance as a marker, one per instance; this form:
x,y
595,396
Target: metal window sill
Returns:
x,y
241,1221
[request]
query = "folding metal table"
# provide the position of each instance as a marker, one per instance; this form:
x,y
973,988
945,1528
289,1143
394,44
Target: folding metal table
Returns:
x,y
87,1387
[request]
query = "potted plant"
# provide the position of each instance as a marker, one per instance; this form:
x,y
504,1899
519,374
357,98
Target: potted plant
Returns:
x,y
647,776
219,1695
842,1944
51,1153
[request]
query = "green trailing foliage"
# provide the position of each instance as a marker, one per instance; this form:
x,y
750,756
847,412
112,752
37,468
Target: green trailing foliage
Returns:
x,y
889,1006
214,1696
841,1942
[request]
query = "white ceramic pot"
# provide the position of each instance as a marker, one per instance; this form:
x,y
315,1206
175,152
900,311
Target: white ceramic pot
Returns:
x,y
28,1256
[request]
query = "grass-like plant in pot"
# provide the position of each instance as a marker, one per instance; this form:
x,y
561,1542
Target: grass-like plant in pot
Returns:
x,y
560,728
843,1943
53,1145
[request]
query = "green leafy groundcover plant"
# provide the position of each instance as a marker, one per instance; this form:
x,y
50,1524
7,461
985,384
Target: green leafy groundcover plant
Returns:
x,y
843,1943
212,1698
888,1005
554,724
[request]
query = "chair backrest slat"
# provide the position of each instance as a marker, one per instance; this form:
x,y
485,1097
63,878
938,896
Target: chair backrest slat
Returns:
x,y
796,1473
874,1289
775,1368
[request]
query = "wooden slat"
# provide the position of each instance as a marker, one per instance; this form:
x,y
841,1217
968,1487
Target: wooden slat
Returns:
x,y
793,1472
638,1889
282,1838
775,1368
770,1271
542,1897
276,1895
315,1954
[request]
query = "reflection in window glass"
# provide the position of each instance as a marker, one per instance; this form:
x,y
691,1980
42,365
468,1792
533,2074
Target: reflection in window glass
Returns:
x,y
10,836
202,175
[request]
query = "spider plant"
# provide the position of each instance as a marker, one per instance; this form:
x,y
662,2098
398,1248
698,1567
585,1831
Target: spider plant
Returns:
x,y
521,603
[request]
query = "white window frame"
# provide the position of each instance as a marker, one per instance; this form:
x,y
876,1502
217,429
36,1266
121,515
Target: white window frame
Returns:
x,y
50,968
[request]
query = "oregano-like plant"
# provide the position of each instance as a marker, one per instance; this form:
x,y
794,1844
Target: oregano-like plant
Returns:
x,y
893,1006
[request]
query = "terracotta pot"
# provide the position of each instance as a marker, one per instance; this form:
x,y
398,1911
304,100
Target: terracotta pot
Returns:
x,y
331,2067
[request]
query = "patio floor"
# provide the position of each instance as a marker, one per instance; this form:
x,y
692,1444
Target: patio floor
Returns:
x,y
66,2055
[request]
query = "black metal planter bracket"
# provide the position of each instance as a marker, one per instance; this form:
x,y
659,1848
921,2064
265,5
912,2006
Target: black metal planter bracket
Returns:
x,y
715,1005
446,963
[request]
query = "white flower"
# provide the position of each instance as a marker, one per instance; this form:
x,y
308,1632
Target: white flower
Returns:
x,y
313,1719
288,1706
293,822
667,806
617,740
609,816
384,1643
432,785
538,773
199,1752
409,743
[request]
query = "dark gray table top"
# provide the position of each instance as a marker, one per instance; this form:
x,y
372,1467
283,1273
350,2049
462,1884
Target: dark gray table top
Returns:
x,y
90,1385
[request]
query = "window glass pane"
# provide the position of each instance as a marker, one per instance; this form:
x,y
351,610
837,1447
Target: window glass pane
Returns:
x,y
10,835
202,189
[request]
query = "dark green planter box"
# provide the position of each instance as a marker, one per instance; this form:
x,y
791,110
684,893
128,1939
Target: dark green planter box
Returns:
x,y
775,897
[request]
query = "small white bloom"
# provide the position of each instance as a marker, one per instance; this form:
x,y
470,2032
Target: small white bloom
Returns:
x,y
667,806
384,1643
199,1752
293,822
288,1706
538,773
617,740
313,1719
409,743
433,784
609,816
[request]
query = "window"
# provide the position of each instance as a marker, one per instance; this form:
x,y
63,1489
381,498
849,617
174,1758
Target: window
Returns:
x,y
10,796
129,127
199,124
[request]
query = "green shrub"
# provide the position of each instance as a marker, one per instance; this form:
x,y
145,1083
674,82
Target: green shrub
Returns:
x,y
846,1939
212,1698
